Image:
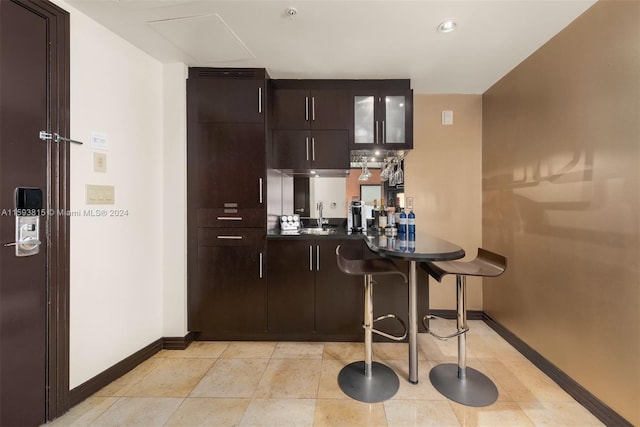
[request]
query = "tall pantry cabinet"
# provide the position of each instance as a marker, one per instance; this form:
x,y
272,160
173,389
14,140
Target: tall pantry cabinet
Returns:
x,y
226,202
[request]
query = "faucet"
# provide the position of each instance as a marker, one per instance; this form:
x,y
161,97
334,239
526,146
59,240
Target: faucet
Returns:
x,y
319,207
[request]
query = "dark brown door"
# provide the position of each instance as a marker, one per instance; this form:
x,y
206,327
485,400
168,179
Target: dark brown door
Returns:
x,y
291,109
339,297
330,149
33,98
230,166
315,109
229,301
228,100
290,294
291,149
329,109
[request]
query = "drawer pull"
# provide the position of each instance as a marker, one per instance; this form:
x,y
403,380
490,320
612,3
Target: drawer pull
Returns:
x,y
230,237
229,218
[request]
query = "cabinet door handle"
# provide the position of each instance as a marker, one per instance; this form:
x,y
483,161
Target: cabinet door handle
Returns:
x,y
317,258
229,218
310,258
384,139
306,109
313,108
260,100
377,133
230,237
307,139
260,185
260,265
313,149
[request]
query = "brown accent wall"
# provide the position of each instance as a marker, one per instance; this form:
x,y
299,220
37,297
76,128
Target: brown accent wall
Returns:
x,y
561,190
443,173
353,184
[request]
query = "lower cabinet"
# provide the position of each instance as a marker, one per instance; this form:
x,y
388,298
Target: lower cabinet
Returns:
x,y
228,300
308,297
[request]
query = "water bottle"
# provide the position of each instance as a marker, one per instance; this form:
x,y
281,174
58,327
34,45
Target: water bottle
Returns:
x,y
411,222
402,226
403,242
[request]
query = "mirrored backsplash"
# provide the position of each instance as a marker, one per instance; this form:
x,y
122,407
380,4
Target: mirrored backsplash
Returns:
x,y
294,194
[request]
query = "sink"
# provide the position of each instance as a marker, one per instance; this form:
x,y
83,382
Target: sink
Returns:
x,y
318,231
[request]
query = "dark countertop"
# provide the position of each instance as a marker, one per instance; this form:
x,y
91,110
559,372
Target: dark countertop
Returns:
x,y
422,247
419,247
335,233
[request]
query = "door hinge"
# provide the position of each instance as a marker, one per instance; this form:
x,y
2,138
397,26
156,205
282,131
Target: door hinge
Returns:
x,y
56,138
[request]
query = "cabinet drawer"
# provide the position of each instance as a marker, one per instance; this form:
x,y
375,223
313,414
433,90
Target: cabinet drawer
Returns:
x,y
231,218
231,237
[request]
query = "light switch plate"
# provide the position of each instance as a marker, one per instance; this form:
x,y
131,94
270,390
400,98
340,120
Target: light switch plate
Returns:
x,y
100,162
100,194
447,117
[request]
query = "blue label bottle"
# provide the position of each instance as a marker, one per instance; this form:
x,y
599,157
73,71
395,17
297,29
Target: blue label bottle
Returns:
x,y
411,222
402,226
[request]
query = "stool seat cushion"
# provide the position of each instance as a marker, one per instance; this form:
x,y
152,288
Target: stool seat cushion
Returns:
x,y
486,264
360,267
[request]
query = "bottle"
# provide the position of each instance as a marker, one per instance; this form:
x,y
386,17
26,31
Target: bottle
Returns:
x,y
411,223
382,219
376,214
402,223
391,218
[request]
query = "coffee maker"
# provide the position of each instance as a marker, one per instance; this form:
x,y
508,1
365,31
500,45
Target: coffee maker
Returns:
x,y
356,222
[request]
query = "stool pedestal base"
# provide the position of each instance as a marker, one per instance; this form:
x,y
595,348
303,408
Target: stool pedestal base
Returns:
x,y
476,390
380,386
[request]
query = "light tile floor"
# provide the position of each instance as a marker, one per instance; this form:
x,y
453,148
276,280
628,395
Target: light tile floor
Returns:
x,y
295,384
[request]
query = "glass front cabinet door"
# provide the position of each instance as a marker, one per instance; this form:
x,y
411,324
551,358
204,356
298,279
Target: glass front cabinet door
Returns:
x,y
382,118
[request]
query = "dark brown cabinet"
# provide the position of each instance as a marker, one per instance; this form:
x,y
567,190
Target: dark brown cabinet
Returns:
x,y
301,150
308,296
226,214
227,96
339,297
310,109
291,286
381,119
228,301
310,126
230,165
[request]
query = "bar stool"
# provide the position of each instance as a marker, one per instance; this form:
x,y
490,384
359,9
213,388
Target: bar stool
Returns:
x,y
369,381
460,383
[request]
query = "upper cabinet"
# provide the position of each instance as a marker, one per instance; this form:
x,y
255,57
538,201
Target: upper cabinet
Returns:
x,y
228,95
315,123
382,118
322,109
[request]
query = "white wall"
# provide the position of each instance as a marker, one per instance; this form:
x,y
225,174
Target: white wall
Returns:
x,y
332,192
116,287
174,183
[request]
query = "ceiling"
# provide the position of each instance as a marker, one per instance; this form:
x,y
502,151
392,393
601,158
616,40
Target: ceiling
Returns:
x,y
344,38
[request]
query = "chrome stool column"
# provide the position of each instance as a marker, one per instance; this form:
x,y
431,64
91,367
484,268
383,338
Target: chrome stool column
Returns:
x,y
369,381
460,383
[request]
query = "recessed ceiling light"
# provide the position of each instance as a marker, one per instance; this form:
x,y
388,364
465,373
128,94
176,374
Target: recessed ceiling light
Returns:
x,y
447,26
